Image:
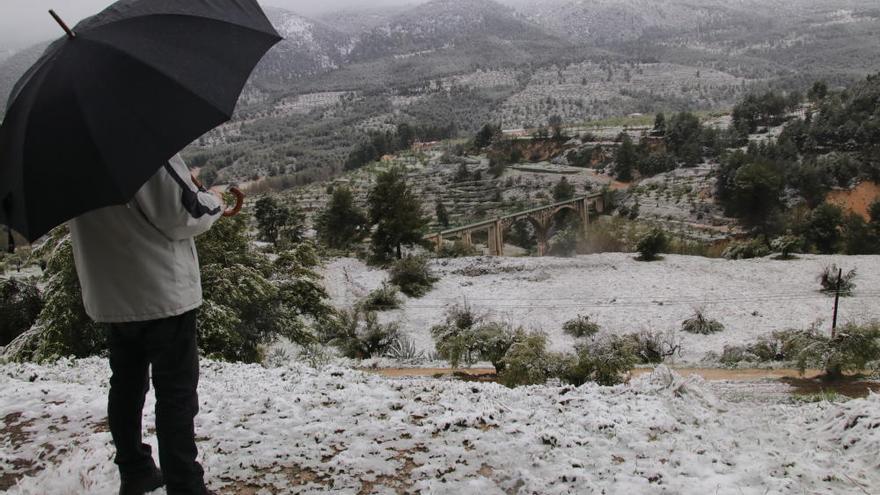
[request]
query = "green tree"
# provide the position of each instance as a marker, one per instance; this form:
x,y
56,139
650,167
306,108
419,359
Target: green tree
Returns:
x,y
756,195
683,137
486,135
563,190
817,92
555,124
626,159
273,216
858,236
251,301
874,212
823,229
396,212
342,223
441,213
652,244
462,174
660,124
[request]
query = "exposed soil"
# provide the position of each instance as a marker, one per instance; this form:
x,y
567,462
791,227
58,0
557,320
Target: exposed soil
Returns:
x,y
858,199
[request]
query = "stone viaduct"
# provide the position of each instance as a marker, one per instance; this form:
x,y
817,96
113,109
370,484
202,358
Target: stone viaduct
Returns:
x,y
540,218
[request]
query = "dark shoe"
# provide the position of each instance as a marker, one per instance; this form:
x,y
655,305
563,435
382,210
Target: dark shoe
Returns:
x,y
142,484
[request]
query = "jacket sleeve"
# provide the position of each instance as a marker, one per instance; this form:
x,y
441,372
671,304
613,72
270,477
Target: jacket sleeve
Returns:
x,y
175,205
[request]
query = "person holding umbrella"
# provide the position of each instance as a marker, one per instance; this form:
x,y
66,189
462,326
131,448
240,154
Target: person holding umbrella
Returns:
x,y
91,137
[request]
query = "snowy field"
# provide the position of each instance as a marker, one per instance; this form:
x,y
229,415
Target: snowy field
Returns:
x,y
299,430
750,297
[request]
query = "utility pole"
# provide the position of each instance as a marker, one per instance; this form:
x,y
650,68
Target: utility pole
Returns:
x,y
836,303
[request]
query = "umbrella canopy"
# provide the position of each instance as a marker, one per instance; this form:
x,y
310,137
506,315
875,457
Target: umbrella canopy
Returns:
x,y
106,106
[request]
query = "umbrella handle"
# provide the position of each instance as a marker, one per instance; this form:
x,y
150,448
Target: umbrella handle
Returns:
x,y
239,202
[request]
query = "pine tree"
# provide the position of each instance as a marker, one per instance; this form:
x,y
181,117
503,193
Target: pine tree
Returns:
x,y
396,212
342,223
660,124
442,214
625,159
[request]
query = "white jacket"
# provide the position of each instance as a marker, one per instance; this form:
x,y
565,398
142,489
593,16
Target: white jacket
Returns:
x,y
138,262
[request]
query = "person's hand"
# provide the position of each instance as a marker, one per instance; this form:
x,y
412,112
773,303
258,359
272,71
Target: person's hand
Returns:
x,y
219,195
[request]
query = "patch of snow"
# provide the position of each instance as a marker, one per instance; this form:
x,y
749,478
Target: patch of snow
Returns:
x,y
750,297
293,429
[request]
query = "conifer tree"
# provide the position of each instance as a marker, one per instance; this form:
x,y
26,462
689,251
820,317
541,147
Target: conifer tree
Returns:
x,y
396,212
342,223
626,159
442,214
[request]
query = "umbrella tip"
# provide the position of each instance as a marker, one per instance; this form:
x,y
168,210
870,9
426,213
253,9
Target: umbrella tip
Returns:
x,y
70,33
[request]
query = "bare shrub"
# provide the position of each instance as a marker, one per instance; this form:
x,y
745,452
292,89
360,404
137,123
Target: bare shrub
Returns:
x,y
655,347
830,277
700,324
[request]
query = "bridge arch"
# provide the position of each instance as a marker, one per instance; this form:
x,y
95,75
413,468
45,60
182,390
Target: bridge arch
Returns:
x,y
541,220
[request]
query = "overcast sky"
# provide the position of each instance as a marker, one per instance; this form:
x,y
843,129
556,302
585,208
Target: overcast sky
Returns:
x,y
25,22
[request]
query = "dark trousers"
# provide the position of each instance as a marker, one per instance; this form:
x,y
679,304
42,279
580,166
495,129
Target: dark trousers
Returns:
x,y
169,347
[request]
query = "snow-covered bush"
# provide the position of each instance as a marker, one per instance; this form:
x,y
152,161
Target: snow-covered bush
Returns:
x,y
63,328
455,339
465,337
581,327
654,347
699,323
787,244
850,350
528,362
494,340
359,335
830,277
853,348
652,244
20,304
250,301
413,275
604,361
382,299
745,250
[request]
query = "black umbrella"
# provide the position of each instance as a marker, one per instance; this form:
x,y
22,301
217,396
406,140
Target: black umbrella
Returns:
x,y
106,106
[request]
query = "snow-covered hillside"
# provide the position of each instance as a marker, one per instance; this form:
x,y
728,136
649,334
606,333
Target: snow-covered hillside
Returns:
x,y
297,430
750,297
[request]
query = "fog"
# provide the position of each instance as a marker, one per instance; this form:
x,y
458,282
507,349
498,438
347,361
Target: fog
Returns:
x,y
25,22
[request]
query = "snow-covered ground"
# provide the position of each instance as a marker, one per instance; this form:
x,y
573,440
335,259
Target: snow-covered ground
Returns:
x,y
298,430
750,297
